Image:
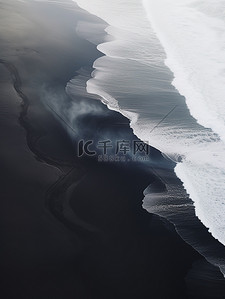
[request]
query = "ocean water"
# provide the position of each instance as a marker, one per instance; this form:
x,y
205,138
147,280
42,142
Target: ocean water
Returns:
x,y
164,69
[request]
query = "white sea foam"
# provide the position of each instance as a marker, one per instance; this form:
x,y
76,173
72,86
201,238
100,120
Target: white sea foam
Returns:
x,y
192,33
194,38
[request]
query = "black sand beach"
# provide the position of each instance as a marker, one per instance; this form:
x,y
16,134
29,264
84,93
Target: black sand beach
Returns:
x,y
75,227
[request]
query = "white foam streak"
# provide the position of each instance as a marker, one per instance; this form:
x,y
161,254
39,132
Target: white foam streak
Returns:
x,y
193,36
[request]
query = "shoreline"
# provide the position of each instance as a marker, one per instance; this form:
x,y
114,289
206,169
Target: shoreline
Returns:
x,y
108,246
203,241
189,84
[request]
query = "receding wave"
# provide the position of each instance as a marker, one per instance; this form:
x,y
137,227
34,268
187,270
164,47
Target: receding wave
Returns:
x,y
185,121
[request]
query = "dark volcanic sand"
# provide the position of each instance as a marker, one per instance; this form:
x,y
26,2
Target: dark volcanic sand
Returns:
x,y
72,228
